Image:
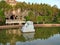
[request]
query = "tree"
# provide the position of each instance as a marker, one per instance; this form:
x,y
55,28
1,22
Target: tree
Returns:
x,y
2,17
4,6
39,19
30,16
27,18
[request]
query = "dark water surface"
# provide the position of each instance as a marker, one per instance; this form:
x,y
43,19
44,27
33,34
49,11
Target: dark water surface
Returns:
x,y
42,36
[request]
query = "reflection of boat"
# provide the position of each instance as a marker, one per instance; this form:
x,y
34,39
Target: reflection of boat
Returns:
x,y
28,27
28,36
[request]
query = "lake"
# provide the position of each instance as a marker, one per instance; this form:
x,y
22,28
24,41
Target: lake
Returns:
x,y
42,36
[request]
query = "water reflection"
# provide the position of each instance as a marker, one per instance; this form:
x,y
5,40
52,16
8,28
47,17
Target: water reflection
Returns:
x,y
28,36
45,33
42,36
14,33
8,37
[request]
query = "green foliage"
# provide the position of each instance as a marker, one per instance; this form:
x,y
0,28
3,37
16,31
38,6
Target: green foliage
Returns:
x,y
37,12
43,13
39,19
30,16
2,17
4,6
27,18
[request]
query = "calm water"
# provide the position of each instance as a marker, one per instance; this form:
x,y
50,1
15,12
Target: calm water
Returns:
x,y
42,36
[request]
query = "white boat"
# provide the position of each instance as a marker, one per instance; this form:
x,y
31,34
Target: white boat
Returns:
x,y
28,27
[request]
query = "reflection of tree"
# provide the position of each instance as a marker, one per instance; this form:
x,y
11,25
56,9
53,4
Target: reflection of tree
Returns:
x,y
13,35
3,38
14,32
13,40
44,33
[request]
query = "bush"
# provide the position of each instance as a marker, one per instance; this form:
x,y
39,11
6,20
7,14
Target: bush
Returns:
x,y
2,17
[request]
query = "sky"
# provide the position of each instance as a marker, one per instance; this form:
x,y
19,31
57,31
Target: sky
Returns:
x,y
50,2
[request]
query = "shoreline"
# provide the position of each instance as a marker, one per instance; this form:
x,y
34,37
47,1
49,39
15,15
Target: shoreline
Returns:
x,y
47,25
10,26
35,25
